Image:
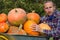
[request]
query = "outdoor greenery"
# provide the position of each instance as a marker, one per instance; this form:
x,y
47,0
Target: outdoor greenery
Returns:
x,y
27,5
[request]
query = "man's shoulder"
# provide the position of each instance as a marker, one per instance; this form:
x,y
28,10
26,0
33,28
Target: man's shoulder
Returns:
x,y
58,13
43,17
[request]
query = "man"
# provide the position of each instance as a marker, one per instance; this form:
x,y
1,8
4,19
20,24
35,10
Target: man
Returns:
x,y
52,18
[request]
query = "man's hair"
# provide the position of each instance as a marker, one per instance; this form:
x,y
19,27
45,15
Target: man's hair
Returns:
x,y
49,1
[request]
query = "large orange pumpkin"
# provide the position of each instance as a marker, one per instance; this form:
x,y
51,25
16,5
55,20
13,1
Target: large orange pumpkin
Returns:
x,y
44,26
4,27
15,30
33,16
29,30
3,17
17,16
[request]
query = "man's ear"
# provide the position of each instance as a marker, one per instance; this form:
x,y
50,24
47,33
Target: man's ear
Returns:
x,y
54,7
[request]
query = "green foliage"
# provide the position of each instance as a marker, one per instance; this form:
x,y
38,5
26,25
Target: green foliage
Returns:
x,y
5,6
57,2
27,5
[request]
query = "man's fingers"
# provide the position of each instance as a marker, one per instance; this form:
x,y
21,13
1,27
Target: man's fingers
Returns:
x,y
33,26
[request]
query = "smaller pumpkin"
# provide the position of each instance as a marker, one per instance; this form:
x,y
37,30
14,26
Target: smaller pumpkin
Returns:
x,y
4,27
3,17
33,16
28,29
44,26
15,30
22,32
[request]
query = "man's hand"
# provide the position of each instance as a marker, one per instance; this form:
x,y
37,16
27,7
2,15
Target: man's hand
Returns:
x,y
36,27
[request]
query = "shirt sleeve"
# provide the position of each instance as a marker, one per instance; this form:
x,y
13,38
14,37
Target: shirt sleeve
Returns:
x,y
55,31
42,19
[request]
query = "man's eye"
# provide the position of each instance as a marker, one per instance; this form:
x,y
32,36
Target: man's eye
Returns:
x,y
46,8
50,7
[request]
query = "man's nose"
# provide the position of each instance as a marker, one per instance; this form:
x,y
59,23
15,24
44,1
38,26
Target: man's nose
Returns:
x,y
48,9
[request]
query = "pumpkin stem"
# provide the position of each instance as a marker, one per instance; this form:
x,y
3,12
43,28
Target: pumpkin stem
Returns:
x,y
15,10
20,27
33,11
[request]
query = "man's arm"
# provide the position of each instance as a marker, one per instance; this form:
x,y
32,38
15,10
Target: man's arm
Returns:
x,y
55,31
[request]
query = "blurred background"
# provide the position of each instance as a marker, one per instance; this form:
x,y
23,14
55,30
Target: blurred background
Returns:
x,y
27,5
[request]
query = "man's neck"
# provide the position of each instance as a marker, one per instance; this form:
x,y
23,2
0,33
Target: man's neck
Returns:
x,y
50,14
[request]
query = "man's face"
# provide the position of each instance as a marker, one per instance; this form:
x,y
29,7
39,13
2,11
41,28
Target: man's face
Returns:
x,y
49,8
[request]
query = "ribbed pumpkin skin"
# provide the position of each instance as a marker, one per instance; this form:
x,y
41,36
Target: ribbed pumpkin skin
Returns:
x,y
44,26
4,27
22,32
17,16
3,17
15,30
33,16
29,30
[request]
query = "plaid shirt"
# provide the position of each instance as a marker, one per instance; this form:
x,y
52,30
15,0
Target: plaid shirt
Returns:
x,y
54,22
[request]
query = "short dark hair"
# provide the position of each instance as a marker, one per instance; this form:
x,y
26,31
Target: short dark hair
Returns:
x,y
49,1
